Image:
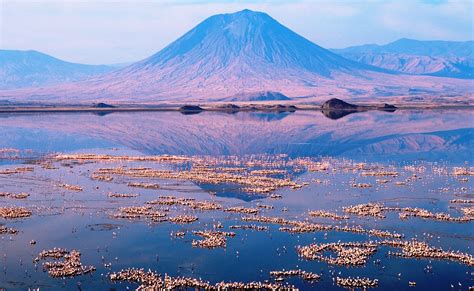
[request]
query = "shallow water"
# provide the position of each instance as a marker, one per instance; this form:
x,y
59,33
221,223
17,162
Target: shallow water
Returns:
x,y
434,141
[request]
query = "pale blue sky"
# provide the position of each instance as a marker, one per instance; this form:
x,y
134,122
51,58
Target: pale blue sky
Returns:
x,y
104,31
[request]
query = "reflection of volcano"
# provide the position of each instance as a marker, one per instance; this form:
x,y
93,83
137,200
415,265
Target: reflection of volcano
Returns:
x,y
427,134
269,116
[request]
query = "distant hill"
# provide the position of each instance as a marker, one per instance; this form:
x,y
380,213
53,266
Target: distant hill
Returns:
x,y
257,96
245,51
19,69
435,58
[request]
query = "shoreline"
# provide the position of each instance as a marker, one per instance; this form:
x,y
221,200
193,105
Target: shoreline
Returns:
x,y
277,107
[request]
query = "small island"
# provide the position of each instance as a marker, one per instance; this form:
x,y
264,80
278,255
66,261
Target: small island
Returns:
x,y
336,108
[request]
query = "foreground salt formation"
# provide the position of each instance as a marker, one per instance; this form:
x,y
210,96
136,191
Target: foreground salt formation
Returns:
x,y
139,191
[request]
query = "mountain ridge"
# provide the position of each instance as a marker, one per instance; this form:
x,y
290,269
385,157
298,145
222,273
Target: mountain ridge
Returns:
x,y
435,58
31,68
237,53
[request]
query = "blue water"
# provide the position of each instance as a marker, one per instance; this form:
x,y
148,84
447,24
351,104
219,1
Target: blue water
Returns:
x,y
73,220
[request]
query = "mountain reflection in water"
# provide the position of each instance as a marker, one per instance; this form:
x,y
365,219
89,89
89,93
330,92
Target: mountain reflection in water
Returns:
x,y
404,134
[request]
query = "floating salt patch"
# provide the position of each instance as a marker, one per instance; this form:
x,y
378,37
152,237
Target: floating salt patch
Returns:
x,y
300,273
348,254
183,219
327,214
14,212
7,230
212,239
69,266
357,282
122,195
71,187
153,281
144,185
244,210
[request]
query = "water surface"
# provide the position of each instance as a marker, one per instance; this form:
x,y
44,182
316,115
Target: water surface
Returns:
x,y
434,140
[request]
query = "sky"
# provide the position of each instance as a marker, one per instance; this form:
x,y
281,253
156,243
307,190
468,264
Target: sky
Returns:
x,y
108,32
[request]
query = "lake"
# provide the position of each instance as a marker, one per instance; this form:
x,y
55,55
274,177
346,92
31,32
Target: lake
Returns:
x,y
116,187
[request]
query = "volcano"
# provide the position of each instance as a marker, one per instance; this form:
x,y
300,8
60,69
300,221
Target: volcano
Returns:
x,y
242,44
233,54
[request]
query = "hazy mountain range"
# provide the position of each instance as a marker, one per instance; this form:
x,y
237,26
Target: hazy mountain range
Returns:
x,y
245,52
20,69
436,58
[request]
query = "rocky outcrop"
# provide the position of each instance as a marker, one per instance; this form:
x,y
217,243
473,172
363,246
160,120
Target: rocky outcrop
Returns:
x,y
190,109
338,104
104,105
336,108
